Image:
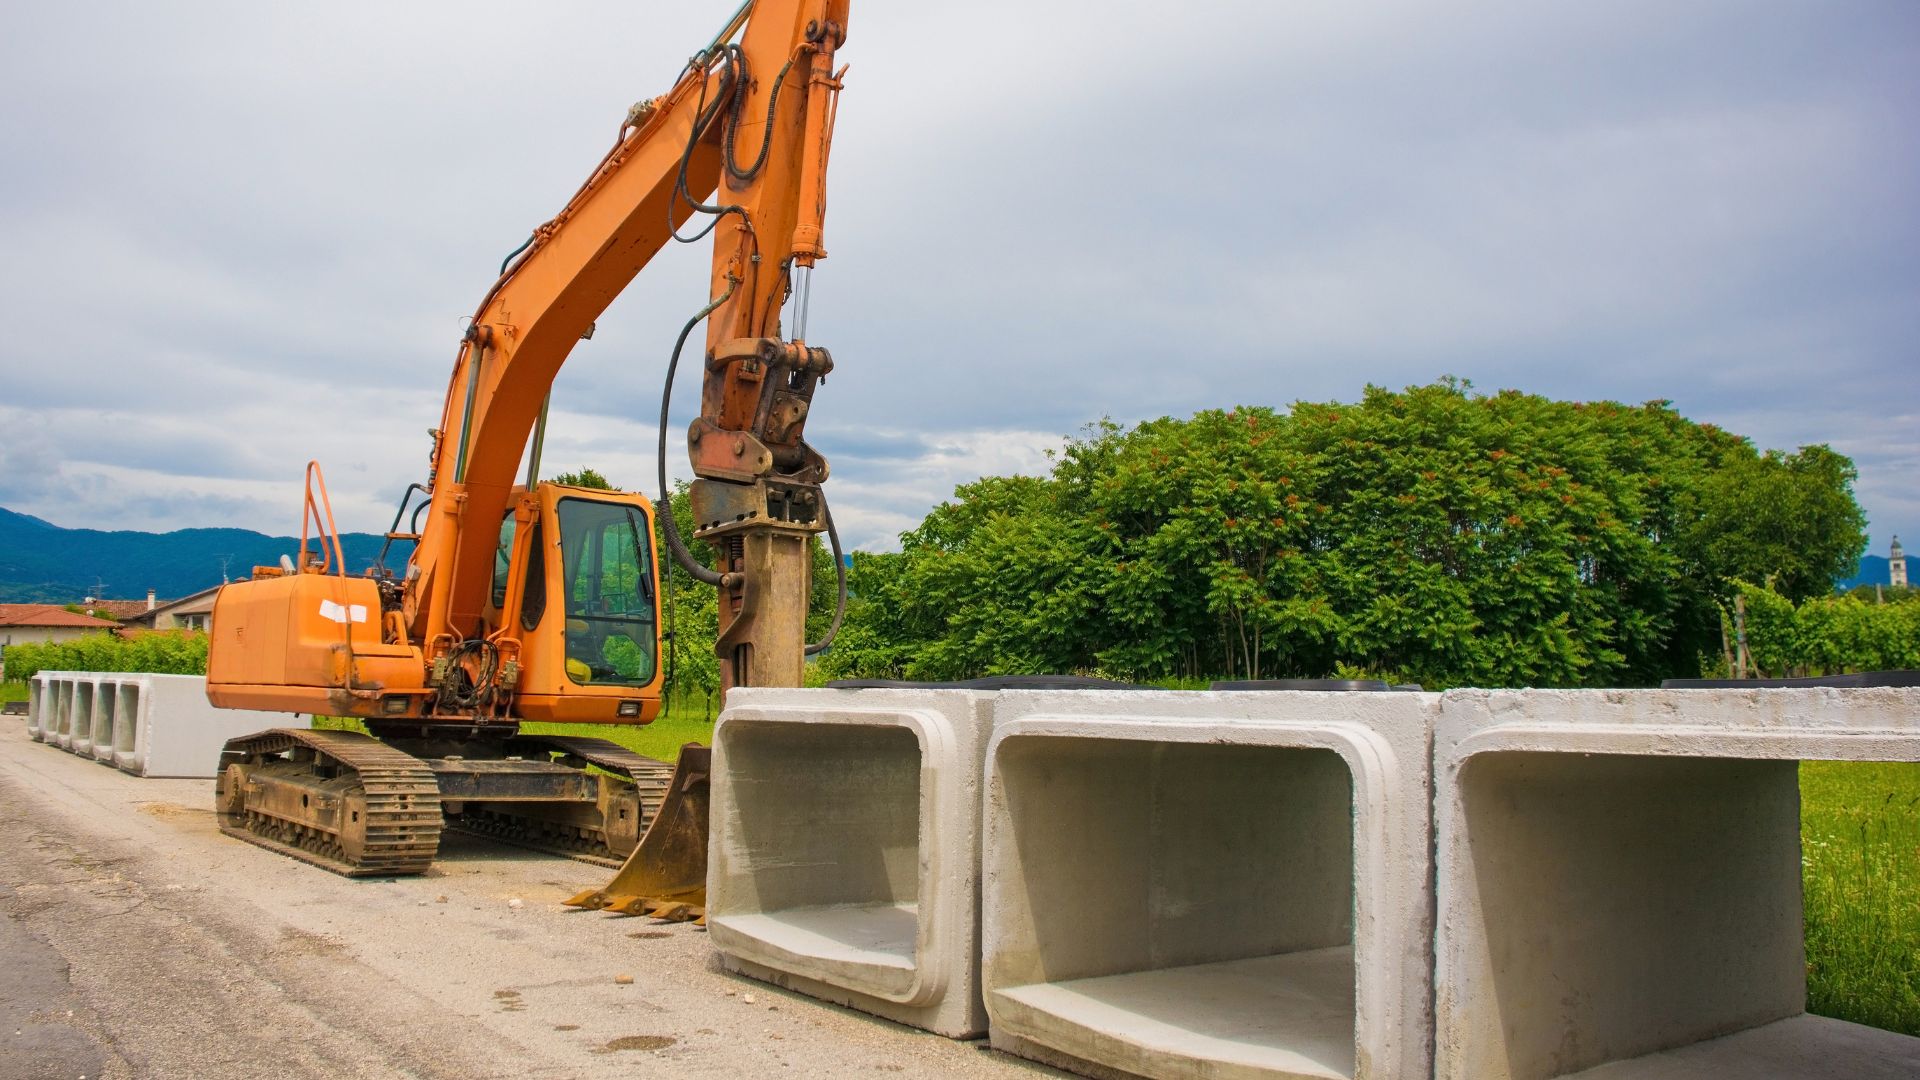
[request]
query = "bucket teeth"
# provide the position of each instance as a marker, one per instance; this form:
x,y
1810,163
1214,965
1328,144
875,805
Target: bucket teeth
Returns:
x,y
666,876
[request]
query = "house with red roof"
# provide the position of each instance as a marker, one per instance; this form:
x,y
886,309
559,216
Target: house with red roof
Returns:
x,y
23,623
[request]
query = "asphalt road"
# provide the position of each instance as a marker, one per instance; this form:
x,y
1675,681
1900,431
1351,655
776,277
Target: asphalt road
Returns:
x,y
140,942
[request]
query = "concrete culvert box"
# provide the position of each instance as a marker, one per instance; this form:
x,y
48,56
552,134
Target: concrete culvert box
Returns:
x,y
126,721
1210,884
178,733
60,731
1619,888
80,722
39,707
843,860
106,697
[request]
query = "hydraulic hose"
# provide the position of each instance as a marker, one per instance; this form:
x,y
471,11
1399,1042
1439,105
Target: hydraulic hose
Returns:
x,y
840,575
678,546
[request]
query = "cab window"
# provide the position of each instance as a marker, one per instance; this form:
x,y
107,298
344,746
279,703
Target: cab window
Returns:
x,y
607,573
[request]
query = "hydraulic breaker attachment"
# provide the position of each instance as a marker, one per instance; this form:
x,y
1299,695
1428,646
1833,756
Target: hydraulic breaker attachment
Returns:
x,y
666,876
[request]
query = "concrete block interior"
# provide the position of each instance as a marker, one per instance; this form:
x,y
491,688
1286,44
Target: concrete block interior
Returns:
x,y
1193,901
126,718
80,737
828,821
62,726
1639,916
106,696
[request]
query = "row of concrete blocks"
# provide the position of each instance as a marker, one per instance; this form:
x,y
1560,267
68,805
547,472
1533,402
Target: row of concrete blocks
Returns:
x,y
148,725
1480,885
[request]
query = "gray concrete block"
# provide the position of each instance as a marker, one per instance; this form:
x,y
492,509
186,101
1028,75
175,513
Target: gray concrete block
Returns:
x,y
844,848
1619,882
106,696
175,732
39,706
130,699
145,724
79,733
1210,884
61,729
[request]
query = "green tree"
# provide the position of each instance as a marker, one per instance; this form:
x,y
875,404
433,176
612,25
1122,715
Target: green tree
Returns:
x,y
1787,519
872,643
1433,533
692,614
585,478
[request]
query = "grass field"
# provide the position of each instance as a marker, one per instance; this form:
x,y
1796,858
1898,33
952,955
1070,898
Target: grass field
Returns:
x,y
13,691
1860,850
661,739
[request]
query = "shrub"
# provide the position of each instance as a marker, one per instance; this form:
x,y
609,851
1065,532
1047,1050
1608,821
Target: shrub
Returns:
x,y
164,653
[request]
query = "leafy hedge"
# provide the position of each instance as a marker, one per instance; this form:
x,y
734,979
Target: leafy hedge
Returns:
x,y
162,653
1431,535
1830,635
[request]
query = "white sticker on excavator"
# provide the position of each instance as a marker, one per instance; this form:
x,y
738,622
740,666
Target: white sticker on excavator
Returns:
x,y
333,612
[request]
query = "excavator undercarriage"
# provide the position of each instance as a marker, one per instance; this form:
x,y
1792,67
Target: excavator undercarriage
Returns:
x,y
363,807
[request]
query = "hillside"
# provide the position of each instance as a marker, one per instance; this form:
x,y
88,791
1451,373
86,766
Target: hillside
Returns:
x,y
43,563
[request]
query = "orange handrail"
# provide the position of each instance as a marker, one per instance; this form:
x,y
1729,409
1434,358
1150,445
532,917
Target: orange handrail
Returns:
x,y
334,560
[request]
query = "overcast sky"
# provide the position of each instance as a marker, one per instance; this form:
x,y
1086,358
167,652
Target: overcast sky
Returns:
x,y
241,235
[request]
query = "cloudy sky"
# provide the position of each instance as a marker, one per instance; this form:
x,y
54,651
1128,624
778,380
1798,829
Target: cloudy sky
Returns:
x,y
240,235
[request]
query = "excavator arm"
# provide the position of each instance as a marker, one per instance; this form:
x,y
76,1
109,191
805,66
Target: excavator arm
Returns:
x,y
742,139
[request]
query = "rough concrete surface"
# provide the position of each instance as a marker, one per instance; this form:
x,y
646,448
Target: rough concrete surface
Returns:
x,y
1211,885
1797,1048
139,942
1618,882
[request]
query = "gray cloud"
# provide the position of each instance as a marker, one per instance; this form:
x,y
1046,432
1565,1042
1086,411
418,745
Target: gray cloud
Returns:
x,y
241,235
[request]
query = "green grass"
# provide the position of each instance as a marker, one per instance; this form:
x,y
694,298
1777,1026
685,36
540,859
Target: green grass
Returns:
x,y
661,739
13,691
1860,851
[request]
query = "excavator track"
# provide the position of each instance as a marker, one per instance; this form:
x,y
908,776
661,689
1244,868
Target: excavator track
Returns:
x,y
497,821
339,800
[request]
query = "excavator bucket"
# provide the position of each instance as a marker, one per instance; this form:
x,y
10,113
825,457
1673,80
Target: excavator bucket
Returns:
x,y
666,875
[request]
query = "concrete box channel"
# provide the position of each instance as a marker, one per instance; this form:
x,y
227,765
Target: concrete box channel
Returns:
x,y
148,725
39,707
1619,887
1232,884
62,727
844,853
79,734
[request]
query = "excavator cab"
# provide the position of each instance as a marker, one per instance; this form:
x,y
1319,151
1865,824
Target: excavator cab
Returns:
x,y
587,604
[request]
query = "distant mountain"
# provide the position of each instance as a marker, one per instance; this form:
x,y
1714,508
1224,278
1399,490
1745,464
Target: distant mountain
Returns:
x,y
1871,571
44,563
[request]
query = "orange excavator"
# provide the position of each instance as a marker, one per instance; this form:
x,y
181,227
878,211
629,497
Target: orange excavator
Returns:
x,y
534,601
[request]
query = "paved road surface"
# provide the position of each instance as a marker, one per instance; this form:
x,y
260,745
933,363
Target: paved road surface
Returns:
x,y
140,942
